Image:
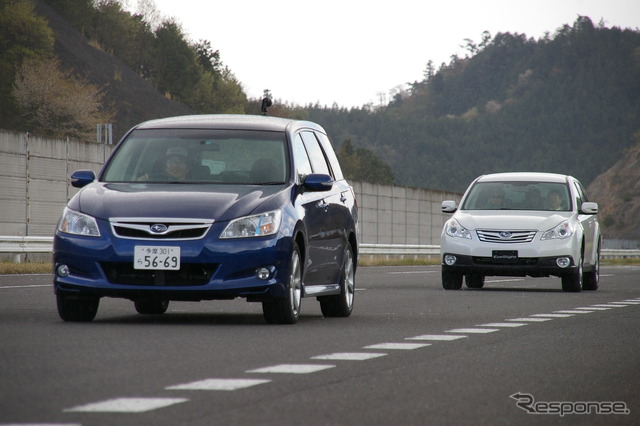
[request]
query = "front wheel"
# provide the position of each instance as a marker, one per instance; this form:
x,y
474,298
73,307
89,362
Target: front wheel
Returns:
x,y
572,281
474,280
451,280
592,278
77,308
342,305
286,310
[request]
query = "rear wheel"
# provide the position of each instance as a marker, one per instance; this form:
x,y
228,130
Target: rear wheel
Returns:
x,y
342,305
286,310
451,280
77,308
572,281
151,306
474,280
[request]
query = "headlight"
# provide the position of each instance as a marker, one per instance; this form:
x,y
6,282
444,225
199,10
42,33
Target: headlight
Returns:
x,y
564,230
453,229
259,225
73,222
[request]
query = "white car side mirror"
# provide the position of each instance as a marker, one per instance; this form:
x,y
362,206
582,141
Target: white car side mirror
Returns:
x,y
589,208
449,206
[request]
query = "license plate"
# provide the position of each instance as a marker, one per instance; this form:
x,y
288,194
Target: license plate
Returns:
x,y
505,256
156,257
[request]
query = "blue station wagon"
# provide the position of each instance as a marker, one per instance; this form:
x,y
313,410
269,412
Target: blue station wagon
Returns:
x,y
211,207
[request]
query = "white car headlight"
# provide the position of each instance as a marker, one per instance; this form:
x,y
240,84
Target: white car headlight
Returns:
x,y
258,225
453,229
76,223
564,230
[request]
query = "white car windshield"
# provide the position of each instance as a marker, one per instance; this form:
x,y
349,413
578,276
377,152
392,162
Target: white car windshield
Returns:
x,y
541,196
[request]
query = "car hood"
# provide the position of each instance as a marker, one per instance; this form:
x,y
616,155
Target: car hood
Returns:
x,y
217,202
511,219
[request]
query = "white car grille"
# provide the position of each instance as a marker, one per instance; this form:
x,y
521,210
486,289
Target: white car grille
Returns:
x,y
506,237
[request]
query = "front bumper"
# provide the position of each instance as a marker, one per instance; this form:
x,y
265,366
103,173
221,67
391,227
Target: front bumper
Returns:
x,y
519,267
210,269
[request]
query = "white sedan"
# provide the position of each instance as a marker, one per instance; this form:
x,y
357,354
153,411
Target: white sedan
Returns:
x,y
522,224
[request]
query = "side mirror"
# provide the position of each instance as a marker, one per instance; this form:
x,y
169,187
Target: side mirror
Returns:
x,y
82,178
318,182
589,208
449,206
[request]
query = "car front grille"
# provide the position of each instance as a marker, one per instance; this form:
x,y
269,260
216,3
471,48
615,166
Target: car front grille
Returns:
x,y
160,229
506,237
188,275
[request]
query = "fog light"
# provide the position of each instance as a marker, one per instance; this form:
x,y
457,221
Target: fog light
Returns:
x,y
450,259
63,270
263,273
563,262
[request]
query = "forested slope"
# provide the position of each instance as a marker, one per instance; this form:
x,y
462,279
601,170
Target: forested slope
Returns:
x,y
567,103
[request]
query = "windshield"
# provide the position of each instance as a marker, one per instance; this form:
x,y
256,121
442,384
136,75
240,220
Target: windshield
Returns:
x,y
543,196
200,156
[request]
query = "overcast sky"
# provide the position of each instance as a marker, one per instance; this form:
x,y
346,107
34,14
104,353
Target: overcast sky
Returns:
x,y
353,52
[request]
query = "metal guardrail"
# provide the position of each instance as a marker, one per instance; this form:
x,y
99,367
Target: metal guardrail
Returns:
x,y
45,245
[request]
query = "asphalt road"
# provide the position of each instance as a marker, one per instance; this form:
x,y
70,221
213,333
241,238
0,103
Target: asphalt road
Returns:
x,y
519,351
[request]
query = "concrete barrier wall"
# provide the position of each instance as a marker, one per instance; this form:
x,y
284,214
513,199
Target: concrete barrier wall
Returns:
x,y
34,188
34,179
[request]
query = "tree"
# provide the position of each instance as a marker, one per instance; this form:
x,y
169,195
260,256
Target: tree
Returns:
x,y
361,164
23,36
57,103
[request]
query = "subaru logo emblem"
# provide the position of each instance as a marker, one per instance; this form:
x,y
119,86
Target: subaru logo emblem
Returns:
x,y
158,228
505,234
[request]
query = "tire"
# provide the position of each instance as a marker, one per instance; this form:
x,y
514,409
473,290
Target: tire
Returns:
x,y
342,305
451,280
76,308
151,306
474,280
591,279
572,281
286,310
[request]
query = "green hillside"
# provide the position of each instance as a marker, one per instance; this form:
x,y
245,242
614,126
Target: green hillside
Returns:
x,y
567,103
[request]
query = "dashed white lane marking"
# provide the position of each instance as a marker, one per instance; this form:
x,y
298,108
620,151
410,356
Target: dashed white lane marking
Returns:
x,y
399,346
24,286
411,272
502,324
505,280
219,384
436,337
350,356
473,330
529,319
551,315
573,311
292,368
593,308
609,305
632,302
126,405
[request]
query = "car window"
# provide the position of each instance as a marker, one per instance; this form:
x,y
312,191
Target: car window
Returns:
x,y
331,156
542,196
301,158
200,156
316,155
